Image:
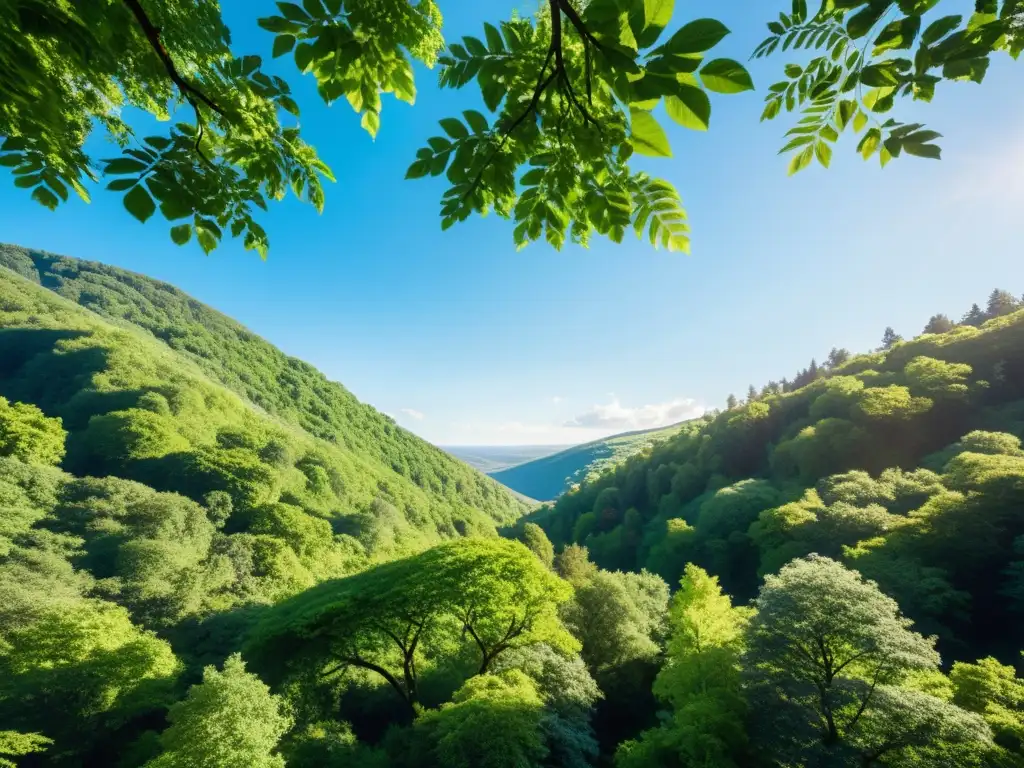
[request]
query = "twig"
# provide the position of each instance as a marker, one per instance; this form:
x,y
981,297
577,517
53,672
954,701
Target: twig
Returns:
x,y
558,7
189,91
576,21
538,91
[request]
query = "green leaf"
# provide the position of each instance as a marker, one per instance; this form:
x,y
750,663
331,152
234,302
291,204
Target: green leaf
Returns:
x,y
475,120
370,123
940,28
696,37
823,152
206,239
288,104
647,135
793,70
418,169
844,112
801,161
303,56
657,15
494,41
26,182
726,76
869,143
293,12
120,185
43,196
283,44
181,234
931,151
861,23
139,203
859,121
454,128
122,165
690,107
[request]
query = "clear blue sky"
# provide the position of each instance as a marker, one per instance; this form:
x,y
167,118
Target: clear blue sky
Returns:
x,y
466,341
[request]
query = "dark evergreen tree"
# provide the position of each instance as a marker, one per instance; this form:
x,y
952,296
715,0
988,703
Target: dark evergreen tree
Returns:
x,y
974,316
752,396
837,357
890,338
731,402
938,324
1001,303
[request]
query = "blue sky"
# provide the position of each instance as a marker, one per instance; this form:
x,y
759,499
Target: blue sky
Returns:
x,y
466,341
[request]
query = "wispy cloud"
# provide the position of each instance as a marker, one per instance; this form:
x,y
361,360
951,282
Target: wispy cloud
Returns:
x,y
556,399
412,413
598,422
615,416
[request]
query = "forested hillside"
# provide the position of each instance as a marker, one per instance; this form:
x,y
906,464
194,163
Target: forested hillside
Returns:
x,y
548,477
369,458
905,463
191,580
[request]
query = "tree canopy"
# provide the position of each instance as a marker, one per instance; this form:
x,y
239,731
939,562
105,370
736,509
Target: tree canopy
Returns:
x,y
572,92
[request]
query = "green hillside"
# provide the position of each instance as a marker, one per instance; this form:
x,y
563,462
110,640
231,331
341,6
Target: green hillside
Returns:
x,y
904,463
549,476
192,579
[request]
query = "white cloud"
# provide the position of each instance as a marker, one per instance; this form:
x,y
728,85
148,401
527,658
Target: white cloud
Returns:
x,y
616,417
594,424
412,413
557,399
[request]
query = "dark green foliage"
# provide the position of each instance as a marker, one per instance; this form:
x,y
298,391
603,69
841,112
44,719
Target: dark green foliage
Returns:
x,y
814,470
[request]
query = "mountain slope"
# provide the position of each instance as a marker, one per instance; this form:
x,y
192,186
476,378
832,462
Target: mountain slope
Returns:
x,y
549,476
154,386
905,463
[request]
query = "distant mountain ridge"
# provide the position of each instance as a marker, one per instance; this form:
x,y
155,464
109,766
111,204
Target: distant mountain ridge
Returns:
x,y
547,477
494,458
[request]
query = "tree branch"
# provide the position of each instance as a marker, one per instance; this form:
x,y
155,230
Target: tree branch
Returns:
x,y
189,91
558,7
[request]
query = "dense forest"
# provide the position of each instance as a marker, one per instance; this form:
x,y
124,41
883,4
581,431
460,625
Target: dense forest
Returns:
x,y
212,556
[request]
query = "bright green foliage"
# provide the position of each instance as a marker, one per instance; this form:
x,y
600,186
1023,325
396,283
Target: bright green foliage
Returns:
x,y
173,418
868,53
392,620
537,541
14,744
71,654
574,89
358,49
26,434
618,617
493,721
892,402
832,651
72,67
230,720
700,682
993,691
936,378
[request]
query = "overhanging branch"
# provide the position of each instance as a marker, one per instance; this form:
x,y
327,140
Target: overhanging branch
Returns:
x,y
192,95
557,7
